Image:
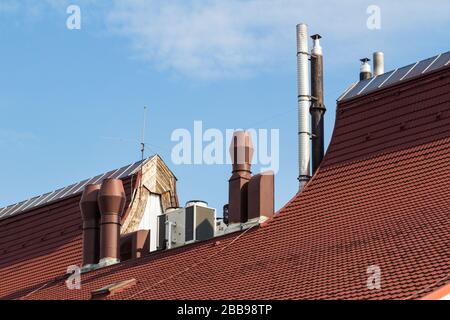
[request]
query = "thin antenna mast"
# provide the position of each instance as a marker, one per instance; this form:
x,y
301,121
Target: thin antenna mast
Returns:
x,y
142,150
143,134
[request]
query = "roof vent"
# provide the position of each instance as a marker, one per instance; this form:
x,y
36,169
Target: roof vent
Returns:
x,y
378,63
250,198
365,70
111,201
90,214
241,152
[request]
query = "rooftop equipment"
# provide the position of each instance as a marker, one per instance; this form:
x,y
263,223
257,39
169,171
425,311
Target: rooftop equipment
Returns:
x,y
111,201
364,70
182,226
90,214
241,152
378,63
304,101
317,107
250,198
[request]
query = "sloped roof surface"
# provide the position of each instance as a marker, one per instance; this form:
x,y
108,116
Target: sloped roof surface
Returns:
x,y
41,243
395,76
66,192
380,197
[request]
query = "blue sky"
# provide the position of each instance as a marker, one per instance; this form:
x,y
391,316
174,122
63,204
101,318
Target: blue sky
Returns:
x,y
71,100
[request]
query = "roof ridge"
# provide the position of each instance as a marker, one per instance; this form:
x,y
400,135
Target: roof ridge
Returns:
x,y
69,190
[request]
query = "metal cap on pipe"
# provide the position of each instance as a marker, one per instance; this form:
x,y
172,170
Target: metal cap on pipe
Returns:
x,y
365,71
316,49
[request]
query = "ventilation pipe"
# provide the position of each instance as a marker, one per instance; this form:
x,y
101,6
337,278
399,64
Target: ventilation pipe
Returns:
x,y
91,224
364,70
317,107
378,63
304,101
261,202
111,201
241,151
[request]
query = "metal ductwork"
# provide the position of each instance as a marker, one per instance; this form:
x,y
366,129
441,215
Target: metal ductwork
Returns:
x,y
365,70
90,214
241,151
317,107
378,63
304,102
111,202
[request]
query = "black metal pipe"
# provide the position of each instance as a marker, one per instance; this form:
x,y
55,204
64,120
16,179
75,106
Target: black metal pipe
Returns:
x,y
317,108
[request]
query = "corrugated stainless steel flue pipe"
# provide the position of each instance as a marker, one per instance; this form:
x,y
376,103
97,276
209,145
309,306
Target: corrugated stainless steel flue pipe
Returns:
x,y
364,70
304,102
90,214
111,201
378,63
318,106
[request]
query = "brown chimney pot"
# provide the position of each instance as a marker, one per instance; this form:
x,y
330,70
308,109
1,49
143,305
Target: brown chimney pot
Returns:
x,y
241,151
111,201
261,202
90,214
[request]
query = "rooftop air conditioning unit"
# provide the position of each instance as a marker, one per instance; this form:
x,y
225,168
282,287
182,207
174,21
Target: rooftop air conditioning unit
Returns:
x,y
181,226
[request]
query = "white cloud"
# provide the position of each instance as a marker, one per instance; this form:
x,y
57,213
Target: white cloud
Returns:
x,y
216,38
232,38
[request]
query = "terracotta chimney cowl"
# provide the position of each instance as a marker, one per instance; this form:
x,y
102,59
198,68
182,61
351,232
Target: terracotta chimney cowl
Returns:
x,y
241,151
111,201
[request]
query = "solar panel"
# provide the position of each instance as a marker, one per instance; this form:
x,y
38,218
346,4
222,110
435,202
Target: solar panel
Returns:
x,y
5,211
12,208
394,76
357,88
130,170
379,80
399,75
440,62
421,66
68,191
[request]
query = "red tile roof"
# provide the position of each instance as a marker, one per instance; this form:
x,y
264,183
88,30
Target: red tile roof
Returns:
x,y
40,244
381,197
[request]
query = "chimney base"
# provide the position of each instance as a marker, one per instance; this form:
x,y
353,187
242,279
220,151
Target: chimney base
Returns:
x,y
104,262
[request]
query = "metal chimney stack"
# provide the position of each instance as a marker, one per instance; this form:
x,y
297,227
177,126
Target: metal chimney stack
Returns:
x,y
378,63
318,107
364,70
304,101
